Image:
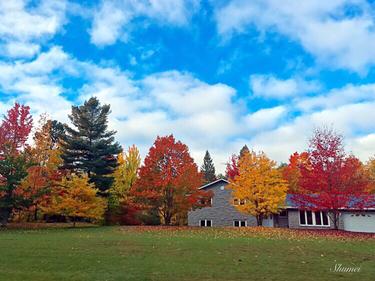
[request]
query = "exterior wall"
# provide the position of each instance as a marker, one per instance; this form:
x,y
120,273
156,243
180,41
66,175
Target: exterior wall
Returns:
x,y
221,212
281,221
293,219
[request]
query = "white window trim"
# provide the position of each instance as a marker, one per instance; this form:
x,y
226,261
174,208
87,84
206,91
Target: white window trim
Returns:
x,y
240,202
313,219
205,223
240,223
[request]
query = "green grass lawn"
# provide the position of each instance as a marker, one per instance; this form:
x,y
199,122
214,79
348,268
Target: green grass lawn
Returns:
x,y
134,253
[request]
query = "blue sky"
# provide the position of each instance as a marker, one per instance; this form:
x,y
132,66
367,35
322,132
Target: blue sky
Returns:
x,y
216,74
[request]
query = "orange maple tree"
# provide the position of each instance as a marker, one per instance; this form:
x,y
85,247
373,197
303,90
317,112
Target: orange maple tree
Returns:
x,y
292,172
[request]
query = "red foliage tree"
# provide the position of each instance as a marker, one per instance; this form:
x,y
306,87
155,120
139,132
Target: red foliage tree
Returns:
x,y
168,181
332,180
16,127
14,131
232,167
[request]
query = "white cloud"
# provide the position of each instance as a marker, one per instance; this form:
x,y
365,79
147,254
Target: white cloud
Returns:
x,y
268,86
354,121
24,26
112,19
265,119
338,97
325,29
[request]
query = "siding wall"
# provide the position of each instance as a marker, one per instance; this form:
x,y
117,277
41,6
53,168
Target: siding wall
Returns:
x,y
222,212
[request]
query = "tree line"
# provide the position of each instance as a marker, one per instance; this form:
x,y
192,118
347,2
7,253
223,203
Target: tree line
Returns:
x,y
78,172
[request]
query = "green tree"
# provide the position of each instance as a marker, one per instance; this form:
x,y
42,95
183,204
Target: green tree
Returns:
x,y
208,168
89,147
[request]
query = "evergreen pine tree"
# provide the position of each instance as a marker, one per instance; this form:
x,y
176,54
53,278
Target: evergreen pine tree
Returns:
x,y
89,147
208,168
243,150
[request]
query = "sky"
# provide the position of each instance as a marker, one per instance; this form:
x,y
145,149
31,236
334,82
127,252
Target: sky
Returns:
x,y
215,74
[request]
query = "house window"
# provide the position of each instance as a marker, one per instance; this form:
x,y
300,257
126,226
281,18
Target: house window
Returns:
x,y
206,203
205,223
310,218
239,223
283,213
237,201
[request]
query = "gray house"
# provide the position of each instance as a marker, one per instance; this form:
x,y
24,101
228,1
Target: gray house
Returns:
x,y
222,212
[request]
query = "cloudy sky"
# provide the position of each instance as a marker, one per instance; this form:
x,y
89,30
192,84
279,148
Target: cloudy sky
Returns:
x,y
217,74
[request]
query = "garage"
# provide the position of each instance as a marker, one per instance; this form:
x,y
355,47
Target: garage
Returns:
x,y
359,222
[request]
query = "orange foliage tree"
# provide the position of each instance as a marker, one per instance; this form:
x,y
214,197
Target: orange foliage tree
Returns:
x,y
292,172
76,198
169,180
42,176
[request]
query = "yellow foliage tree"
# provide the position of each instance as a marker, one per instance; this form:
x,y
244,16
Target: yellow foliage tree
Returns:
x,y
76,198
370,173
125,174
259,188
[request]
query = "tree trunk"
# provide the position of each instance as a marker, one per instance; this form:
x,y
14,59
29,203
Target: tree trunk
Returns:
x,y
167,218
36,213
74,221
4,216
335,218
259,220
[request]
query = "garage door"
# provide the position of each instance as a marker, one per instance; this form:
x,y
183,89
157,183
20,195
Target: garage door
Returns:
x,y
359,222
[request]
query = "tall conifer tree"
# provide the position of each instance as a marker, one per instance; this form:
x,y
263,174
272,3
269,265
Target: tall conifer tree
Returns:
x,y
89,147
208,168
244,150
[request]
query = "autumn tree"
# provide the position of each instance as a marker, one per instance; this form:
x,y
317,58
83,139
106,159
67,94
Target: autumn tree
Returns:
x,y
169,180
232,170
41,178
208,168
232,165
332,180
292,171
259,186
76,198
126,173
14,159
119,207
90,147
369,169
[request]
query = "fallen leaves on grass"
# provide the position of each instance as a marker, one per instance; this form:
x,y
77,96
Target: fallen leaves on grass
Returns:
x,y
258,232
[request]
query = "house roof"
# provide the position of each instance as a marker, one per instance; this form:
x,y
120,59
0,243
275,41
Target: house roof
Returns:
x,y
291,204
212,183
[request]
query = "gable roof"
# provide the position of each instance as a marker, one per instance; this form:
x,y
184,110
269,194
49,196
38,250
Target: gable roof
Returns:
x,y
212,183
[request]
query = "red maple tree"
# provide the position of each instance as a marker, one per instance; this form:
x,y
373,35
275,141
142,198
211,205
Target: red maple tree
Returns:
x,y
232,170
168,181
14,132
332,180
16,127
